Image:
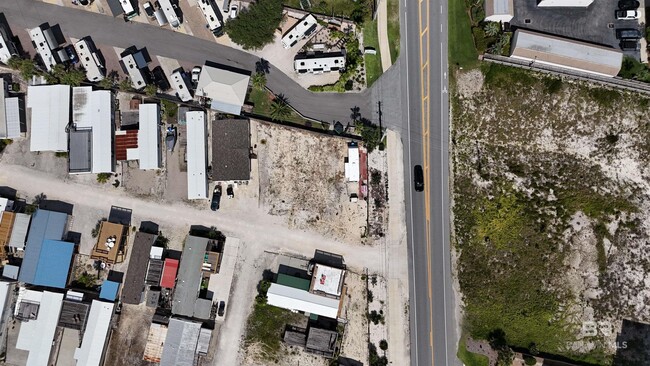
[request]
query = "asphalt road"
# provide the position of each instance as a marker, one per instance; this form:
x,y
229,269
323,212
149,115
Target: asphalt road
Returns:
x,y
116,32
433,325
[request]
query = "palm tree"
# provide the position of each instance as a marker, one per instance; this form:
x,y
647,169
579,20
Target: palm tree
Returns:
x,y
492,29
259,80
280,108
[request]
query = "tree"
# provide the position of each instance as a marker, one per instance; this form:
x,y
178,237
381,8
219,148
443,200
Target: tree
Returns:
x,y
280,109
255,26
108,82
259,80
26,67
492,29
151,90
125,85
383,345
370,133
262,66
72,76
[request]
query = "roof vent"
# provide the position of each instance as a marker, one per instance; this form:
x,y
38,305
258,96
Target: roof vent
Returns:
x,y
527,21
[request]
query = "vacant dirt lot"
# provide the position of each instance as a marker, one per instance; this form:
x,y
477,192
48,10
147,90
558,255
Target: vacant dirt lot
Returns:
x,y
302,177
128,340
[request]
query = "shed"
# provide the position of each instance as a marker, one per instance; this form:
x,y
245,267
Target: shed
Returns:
x,y
19,231
321,341
109,290
170,269
181,343
231,150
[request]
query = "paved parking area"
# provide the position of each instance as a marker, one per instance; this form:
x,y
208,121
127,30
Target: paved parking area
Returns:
x,y
595,24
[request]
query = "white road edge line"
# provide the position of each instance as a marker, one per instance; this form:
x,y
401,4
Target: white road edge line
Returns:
x,y
442,195
408,184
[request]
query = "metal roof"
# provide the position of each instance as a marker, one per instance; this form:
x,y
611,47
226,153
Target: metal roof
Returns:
x,y
298,300
292,281
50,106
154,271
204,341
36,335
13,117
170,269
95,335
80,154
181,343
94,110
148,150
197,182
109,290
321,341
134,280
54,264
560,52
227,89
19,231
46,225
189,276
3,115
10,271
231,150
564,3
352,165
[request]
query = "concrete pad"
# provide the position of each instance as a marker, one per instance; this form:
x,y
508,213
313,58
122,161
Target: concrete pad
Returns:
x,y
220,283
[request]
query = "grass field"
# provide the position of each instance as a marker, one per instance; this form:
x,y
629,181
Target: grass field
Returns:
x,y
373,62
469,358
265,326
393,29
462,51
342,8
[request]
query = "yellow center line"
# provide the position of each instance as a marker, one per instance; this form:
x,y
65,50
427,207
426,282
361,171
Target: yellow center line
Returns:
x,y
425,112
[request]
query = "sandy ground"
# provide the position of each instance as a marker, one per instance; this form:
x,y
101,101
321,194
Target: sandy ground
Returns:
x,y
355,338
127,343
305,183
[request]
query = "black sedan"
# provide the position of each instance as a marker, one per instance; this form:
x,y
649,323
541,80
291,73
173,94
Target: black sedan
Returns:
x,y
418,178
628,4
216,198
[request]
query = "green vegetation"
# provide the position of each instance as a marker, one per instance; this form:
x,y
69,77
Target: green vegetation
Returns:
x,y
462,51
151,90
86,280
61,75
61,154
169,108
26,67
469,358
633,69
255,25
373,62
161,241
393,29
508,230
376,317
370,134
4,143
125,85
358,10
383,345
103,177
107,83
259,80
373,357
266,323
280,109
263,101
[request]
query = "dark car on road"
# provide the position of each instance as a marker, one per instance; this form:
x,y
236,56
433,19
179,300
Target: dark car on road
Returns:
x,y
216,198
629,45
418,178
222,308
628,33
628,4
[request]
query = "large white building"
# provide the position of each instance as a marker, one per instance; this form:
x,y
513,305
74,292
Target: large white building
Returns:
x,y
300,30
300,300
93,110
148,150
226,89
90,60
197,181
93,345
10,116
50,105
39,313
538,48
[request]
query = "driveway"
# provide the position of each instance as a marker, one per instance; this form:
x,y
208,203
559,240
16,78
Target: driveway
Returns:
x,y
327,107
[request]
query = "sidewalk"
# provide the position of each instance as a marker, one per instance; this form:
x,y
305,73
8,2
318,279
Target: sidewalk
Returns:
x,y
382,30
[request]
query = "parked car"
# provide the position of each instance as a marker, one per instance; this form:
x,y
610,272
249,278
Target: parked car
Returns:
x,y
418,178
629,45
628,4
222,308
229,191
233,11
148,9
72,54
627,14
160,79
196,71
216,198
628,33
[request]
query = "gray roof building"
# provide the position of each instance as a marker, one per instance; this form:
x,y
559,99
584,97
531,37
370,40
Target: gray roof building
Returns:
x,y
135,274
189,277
231,150
181,343
80,155
321,341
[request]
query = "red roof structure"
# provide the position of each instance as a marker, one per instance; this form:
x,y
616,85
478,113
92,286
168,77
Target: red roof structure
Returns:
x,y
125,140
168,278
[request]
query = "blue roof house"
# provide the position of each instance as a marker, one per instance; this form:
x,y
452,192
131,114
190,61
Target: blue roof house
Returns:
x,y
47,258
109,290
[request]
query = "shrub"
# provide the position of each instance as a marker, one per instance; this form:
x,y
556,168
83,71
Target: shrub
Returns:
x,y
383,345
103,177
151,90
529,360
170,108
